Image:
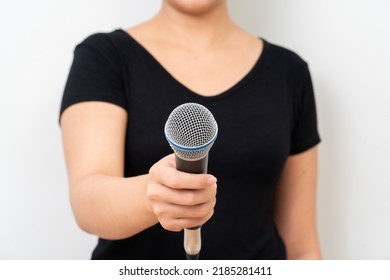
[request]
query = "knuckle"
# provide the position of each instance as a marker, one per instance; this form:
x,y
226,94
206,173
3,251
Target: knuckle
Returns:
x,y
170,225
215,190
152,170
203,210
153,174
208,217
214,202
151,192
150,195
190,198
176,228
174,181
164,224
159,211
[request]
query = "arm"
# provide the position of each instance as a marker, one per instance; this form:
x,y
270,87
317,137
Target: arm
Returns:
x,y
295,206
104,203
113,207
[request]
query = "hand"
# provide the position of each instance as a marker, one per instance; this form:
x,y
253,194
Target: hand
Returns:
x,y
179,199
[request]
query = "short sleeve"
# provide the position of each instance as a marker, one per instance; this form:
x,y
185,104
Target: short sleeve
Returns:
x,y
305,133
95,74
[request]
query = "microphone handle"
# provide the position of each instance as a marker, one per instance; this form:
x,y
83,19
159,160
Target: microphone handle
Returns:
x,y
198,166
192,236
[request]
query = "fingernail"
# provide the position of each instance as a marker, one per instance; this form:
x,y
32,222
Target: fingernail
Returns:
x,y
211,180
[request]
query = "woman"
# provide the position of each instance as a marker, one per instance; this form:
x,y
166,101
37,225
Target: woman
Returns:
x,y
124,187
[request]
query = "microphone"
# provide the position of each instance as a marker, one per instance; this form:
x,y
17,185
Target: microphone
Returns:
x,y
191,131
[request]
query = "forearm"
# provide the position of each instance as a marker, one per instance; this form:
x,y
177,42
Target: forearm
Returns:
x,y
111,207
310,255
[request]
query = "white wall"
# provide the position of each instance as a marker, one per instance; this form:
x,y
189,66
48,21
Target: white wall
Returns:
x,y
347,45
37,41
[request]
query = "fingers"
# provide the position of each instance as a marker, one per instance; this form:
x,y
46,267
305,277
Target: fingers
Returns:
x,y
184,197
169,176
185,216
178,199
181,223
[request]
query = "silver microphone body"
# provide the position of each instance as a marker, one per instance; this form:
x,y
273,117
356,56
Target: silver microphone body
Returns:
x,y
191,131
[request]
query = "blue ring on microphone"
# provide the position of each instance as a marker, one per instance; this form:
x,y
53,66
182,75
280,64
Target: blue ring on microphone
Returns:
x,y
191,148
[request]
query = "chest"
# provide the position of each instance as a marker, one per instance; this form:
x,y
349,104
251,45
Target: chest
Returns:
x,y
254,125
207,72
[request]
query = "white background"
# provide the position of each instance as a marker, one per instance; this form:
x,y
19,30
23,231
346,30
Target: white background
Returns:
x,y
345,42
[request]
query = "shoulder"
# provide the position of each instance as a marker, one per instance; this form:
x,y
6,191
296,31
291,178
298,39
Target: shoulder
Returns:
x,y
108,46
104,39
285,60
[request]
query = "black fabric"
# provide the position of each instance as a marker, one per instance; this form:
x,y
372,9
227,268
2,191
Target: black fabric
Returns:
x,y
266,117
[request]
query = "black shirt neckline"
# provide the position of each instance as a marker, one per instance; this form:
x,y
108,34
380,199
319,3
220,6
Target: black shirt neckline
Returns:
x,y
232,89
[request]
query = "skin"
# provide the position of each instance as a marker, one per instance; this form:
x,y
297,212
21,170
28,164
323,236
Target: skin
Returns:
x,y
202,34
295,206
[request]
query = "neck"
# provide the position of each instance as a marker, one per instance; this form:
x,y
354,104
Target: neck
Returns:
x,y
199,30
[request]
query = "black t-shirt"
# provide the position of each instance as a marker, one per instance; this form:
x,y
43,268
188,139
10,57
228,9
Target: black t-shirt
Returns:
x,y
264,118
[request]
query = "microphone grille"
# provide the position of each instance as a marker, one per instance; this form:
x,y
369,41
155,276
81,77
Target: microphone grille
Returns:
x,y
191,130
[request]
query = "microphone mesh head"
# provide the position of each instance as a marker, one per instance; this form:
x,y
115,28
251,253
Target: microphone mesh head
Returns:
x,y
191,130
